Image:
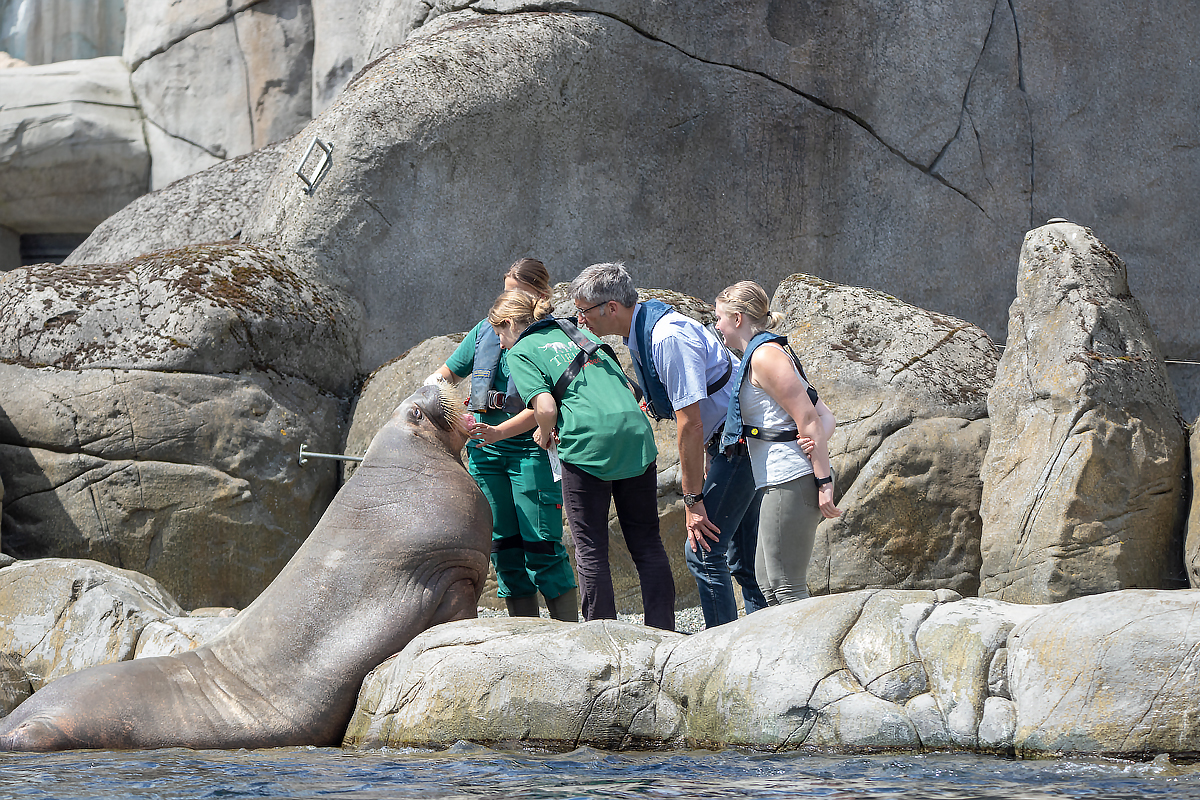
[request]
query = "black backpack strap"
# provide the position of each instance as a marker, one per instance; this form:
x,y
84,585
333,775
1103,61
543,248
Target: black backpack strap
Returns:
x,y
716,385
587,349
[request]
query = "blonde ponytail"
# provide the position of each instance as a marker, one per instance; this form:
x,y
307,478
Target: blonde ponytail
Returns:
x,y
750,300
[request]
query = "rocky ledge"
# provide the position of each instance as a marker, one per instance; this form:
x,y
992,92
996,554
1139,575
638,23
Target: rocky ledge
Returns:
x,y
876,670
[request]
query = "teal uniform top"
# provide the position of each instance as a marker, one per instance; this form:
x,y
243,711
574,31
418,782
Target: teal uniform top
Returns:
x,y
601,428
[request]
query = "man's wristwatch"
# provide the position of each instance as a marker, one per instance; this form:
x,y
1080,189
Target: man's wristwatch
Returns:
x,y
822,481
690,500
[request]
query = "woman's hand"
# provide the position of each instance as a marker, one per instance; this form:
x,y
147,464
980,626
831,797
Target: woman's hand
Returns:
x,y
806,444
544,437
825,501
481,433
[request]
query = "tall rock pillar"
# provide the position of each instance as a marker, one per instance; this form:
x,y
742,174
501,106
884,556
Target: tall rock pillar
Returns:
x,y
1083,475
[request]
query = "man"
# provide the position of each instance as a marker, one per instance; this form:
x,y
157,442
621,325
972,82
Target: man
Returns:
x,y
685,372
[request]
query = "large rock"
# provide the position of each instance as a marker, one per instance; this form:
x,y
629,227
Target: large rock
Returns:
x,y
209,206
218,79
593,684
908,388
191,479
869,670
72,147
428,135
838,672
61,615
1084,472
1115,673
207,309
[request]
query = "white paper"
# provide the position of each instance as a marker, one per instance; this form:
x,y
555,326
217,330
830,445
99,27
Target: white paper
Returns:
x,y
555,464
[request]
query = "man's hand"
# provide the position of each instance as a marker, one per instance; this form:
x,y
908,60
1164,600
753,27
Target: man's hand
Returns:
x,y
699,528
806,444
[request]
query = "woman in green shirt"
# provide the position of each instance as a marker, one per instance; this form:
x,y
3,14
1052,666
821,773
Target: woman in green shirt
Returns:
x,y
606,448
512,471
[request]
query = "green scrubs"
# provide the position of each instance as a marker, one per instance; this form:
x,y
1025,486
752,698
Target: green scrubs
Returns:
x,y
514,475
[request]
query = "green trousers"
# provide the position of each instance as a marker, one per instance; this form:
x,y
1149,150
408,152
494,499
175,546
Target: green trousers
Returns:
x,y
527,548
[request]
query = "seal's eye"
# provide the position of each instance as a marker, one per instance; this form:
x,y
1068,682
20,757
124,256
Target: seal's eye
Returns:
x,y
414,413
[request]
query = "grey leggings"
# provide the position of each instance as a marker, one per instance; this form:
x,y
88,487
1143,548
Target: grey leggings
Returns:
x,y
787,526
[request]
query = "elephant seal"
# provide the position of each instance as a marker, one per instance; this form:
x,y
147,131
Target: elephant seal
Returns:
x,y
404,546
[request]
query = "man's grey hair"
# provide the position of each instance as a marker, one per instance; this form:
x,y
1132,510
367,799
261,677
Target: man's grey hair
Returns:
x,y
600,283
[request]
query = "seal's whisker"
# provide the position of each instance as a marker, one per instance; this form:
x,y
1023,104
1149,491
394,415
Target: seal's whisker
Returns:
x,y
452,407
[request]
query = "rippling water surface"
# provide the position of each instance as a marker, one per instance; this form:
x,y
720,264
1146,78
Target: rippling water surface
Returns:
x,y
468,772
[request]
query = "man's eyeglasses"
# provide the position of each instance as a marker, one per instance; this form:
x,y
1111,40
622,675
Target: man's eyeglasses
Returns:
x,y
583,311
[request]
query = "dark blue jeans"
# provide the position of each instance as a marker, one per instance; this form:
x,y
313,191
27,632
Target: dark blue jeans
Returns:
x,y
732,504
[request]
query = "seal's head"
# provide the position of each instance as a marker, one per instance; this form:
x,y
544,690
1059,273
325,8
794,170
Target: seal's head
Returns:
x,y
433,413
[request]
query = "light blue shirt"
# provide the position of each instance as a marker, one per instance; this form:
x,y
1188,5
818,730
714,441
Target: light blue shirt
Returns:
x,y
688,357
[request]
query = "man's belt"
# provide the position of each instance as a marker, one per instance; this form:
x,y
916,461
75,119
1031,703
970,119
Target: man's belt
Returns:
x,y
770,434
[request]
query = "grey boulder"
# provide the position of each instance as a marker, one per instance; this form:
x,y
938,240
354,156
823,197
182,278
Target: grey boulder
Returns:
x,y
209,206
72,147
190,479
908,388
1083,480
869,670
64,615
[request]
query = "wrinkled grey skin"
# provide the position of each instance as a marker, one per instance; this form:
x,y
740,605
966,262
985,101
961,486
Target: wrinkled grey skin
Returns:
x,y
404,546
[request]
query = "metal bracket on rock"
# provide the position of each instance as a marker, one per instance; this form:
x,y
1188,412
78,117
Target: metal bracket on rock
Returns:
x,y
305,454
322,166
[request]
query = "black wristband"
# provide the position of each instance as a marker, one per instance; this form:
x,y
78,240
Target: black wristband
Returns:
x,y
822,481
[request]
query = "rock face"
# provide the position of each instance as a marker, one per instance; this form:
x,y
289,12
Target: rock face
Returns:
x,y
63,615
209,206
172,395
1083,476
844,672
909,389
1110,673
72,151
867,670
379,215
191,479
206,309
254,86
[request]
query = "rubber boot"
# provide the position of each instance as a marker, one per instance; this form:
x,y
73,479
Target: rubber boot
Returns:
x,y
522,606
565,607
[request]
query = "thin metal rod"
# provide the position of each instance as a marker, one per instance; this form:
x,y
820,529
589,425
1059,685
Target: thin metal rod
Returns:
x,y
305,454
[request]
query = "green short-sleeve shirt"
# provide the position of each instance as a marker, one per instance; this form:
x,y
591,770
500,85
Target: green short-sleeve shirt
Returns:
x,y
601,428
462,363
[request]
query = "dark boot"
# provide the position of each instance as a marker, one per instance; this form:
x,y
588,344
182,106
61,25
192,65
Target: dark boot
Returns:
x,y
565,607
522,606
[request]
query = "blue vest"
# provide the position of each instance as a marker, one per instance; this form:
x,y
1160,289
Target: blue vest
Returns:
x,y
658,402
733,417
483,375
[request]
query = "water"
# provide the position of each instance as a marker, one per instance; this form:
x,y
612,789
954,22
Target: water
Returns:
x,y
469,772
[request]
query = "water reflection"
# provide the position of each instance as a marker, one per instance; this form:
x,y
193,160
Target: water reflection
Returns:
x,y
472,772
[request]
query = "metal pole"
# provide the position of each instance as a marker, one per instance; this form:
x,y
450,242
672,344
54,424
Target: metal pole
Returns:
x,y
305,453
